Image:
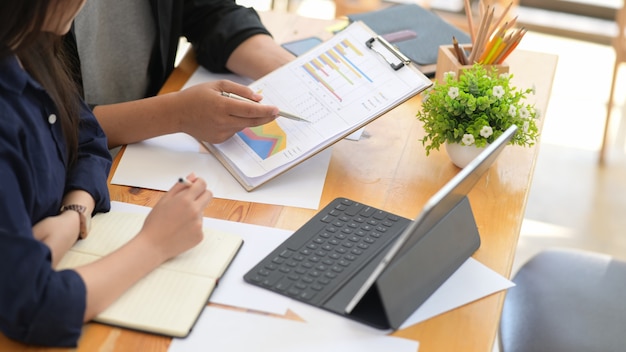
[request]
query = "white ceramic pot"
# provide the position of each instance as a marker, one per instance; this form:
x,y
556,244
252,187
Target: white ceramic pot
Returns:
x,y
461,155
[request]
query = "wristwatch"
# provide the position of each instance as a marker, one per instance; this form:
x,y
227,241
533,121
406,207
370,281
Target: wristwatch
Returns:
x,y
85,221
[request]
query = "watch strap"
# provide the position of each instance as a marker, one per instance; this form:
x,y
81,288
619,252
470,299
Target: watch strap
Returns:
x,y
80,209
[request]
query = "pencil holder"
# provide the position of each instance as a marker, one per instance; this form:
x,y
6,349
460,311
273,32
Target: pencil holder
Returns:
x,y
447,61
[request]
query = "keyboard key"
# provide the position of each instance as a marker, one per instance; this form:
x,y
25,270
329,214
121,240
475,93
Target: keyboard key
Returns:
x,y
270,280
367,212
327,219
286,253
283,284
278,260
353,210
380,215
307,295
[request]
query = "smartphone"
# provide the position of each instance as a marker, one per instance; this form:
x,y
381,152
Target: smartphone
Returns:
x,y
301,46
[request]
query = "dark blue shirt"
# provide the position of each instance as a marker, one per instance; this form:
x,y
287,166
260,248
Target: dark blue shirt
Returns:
x,y
39,305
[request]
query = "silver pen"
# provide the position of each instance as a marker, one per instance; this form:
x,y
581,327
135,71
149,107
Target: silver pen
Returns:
x,y
280,112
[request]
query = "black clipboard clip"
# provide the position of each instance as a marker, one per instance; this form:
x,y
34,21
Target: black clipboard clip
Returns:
x,y
396,66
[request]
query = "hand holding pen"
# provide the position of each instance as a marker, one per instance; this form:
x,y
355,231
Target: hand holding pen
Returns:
x,y
203,113
175,223
280,112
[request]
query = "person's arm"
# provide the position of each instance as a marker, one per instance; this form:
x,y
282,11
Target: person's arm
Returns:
x,y
60,232
228,37
134,121
200,111
258,56
86,185
40,305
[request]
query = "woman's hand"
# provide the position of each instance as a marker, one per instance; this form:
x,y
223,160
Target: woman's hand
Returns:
x,y
175,223
173,226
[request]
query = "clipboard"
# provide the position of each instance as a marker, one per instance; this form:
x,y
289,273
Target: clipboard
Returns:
x,y
414,30
391,49
340,86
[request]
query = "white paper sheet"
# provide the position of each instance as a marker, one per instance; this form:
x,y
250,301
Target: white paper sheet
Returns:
x,y
225,330
470,282
231,290
158,162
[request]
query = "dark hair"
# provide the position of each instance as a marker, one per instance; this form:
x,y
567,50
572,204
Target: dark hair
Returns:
x,y
42,56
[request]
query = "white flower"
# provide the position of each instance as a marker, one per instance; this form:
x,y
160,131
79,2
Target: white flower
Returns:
x,y
486,131
498,91
468,139
504,75
525,126
449,74
453,92
524,113
512,111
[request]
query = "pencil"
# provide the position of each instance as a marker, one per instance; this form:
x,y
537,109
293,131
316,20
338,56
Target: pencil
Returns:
x,y
502,16
280,112
495,52
511,23
487,60
460,54
476,41
508,40
470,20
496,39
481,37
487,33
514,44
481,9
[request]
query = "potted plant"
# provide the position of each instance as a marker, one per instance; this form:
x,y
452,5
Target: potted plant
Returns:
x,y
474,109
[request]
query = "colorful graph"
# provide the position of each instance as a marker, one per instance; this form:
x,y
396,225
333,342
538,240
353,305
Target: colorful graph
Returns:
x,y
265,140
335,64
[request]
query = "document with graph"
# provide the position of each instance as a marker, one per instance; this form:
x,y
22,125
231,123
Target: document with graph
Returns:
x,y
339,86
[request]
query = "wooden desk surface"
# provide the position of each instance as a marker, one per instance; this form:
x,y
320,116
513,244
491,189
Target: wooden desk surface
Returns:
x,y
388,169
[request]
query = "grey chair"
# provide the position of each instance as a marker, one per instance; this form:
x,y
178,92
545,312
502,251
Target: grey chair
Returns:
x,y
566,300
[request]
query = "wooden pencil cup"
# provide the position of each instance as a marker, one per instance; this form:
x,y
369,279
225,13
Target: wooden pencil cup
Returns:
x,y
447,62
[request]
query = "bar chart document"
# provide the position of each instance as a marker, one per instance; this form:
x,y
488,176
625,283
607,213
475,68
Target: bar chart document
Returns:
x,y
338,87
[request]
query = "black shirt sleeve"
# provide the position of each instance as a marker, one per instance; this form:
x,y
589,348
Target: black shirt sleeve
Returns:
x,y
216,27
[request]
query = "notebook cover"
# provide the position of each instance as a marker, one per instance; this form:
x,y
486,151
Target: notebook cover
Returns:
x,y
430,30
